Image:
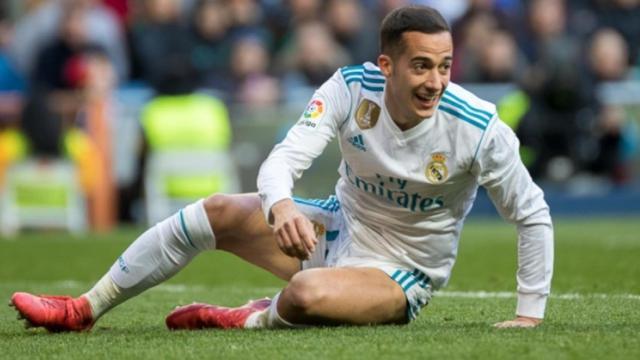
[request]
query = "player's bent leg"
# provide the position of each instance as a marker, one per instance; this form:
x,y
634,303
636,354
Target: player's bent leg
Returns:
x,y
241,229
325,296
334,296
161,252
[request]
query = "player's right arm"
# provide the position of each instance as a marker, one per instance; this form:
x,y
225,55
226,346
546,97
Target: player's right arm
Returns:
x,y
305,141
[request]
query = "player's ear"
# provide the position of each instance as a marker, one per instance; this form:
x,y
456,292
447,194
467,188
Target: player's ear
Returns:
x,y
385,64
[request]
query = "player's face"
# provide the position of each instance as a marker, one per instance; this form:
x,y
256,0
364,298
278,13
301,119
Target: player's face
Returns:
x,y
417,77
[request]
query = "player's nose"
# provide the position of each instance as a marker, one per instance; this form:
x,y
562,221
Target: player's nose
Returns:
x,y
433,81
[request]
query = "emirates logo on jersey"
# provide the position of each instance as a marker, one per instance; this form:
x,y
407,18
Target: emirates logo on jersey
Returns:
x,y
436,171
367,114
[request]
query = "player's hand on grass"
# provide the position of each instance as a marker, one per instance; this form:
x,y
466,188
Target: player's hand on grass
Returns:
x,y
294,232
519,322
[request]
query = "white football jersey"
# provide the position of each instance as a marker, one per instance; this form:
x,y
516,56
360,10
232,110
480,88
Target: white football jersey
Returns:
x,y
405,194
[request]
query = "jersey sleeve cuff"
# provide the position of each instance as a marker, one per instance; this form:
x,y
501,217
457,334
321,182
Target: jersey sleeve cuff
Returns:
x,y
269,200
531,305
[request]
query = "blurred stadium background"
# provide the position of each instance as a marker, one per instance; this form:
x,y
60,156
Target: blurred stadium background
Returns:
x,y
115,112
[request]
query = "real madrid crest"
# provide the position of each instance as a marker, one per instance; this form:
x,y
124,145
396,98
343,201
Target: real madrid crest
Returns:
x,y
367,114
436,170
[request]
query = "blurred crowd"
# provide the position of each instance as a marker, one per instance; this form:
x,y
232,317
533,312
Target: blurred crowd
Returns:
x,y
60,61
263,51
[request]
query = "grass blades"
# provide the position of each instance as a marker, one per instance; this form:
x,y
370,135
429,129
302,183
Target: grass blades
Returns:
x,y
594,311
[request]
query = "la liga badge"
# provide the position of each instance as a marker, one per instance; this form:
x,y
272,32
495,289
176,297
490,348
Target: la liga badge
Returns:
x,y
312,113
314,110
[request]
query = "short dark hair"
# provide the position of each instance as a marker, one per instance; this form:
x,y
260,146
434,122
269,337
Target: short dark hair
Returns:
x,y
419,18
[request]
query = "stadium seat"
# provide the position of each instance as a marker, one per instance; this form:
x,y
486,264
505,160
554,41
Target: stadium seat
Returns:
x,y
42,194
188,138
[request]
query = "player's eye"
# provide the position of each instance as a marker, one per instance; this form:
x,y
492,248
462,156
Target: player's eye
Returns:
x,y
420,67
444,68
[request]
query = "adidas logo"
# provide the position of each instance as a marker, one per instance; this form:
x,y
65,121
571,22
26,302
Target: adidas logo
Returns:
x,y
357,142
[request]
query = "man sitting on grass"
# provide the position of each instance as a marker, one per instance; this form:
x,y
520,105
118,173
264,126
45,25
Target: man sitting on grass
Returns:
x,y
415,149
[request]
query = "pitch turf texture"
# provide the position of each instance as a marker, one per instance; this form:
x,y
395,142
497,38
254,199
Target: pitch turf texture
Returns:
x,y
594,311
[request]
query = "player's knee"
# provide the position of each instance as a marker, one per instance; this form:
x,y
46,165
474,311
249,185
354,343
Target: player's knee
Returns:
x,y
305,291
216,203
216,206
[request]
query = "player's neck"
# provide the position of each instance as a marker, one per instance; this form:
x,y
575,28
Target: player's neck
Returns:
x,y
405,124
402,121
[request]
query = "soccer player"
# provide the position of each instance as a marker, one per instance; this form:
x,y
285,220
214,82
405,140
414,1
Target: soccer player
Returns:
x,y
415,149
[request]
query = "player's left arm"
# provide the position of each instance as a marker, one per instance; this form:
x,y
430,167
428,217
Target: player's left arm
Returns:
x,y
520,201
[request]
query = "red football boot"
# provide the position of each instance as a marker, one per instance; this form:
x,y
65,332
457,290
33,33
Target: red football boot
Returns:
x,y
54,313
202,316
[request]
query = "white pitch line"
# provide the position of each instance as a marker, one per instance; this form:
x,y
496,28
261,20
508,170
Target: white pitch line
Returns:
x,y
177,288
507,295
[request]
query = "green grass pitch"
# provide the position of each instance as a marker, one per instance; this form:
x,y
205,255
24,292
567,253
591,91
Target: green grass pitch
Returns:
x,y
594,311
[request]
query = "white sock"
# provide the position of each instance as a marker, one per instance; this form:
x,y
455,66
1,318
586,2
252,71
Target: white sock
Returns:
x,y
104,295
155,256
257,320
269,318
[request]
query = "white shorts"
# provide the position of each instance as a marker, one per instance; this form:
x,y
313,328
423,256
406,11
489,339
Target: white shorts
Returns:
x,y
334,250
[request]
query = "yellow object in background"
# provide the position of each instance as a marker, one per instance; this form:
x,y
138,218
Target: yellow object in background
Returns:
x,y
80,149
84,153
13,147
512,107
194,121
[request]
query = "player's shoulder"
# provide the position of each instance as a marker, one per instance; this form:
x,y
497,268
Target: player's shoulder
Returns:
x,y
364,78
463,105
